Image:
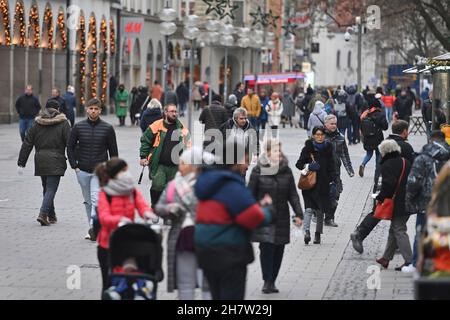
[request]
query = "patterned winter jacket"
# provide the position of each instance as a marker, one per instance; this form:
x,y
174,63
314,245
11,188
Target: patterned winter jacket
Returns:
x,y
424,170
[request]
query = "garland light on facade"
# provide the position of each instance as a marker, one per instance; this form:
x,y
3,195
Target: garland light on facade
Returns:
x,y
34,26
6,27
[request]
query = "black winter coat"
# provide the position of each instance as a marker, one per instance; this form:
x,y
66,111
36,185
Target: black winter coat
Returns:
x,y
340,152
391,169
372,142
170,98
283,190
27,106
327,171
89,144
48,135
407,150
403,106
213,116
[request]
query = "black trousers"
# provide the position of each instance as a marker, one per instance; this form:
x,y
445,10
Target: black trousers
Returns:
x,y
103,259
271,256
367,225
227,284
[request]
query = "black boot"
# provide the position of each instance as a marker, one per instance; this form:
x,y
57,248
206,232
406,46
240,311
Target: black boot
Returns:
x,y
272,288
317,238
266,287
357,242
307,237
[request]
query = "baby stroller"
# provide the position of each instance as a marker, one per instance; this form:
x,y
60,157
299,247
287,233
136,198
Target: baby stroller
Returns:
x,y
135,255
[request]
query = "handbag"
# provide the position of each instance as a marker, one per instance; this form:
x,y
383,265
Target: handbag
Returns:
x,y
385,210
308,181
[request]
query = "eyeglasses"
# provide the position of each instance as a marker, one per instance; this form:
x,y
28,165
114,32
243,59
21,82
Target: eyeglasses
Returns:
x,y
173,111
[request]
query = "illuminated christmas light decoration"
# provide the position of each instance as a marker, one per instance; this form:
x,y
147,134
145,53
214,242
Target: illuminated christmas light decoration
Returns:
x,y
93,47
104,39
48,21
82,30
34,27
112,37
19,18
5,13
62,29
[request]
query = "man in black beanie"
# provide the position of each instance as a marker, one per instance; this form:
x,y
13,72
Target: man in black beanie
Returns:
x,y
213,117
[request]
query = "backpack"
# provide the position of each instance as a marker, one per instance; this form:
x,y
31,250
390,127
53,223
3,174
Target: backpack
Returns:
x,y
368,126
340,109
96,226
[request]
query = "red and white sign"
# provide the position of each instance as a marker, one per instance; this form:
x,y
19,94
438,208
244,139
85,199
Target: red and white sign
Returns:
x,y
132,27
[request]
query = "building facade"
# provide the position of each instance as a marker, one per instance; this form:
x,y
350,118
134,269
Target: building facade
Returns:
x,y
53,44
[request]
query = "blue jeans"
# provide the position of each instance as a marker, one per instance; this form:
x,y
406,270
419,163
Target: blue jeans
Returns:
x,y
182,108
369,155
420,224
24,125
254,121
389,113
50,186
89,188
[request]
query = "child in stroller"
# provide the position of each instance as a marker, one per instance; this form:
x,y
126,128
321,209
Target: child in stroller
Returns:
x,y
135,255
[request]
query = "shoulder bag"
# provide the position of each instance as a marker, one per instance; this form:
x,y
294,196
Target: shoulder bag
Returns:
x,y
308,181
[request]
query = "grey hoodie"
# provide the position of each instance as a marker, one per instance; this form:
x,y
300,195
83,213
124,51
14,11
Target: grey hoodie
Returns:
x,y
317,117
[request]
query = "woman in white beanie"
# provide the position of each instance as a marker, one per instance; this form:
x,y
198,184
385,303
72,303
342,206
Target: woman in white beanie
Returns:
x,y
178,203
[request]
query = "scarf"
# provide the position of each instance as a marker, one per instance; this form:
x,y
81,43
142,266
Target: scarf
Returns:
x,y
319,146
122,185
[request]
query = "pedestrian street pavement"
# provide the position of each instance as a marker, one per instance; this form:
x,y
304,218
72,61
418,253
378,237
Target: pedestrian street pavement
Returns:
x,y
40,262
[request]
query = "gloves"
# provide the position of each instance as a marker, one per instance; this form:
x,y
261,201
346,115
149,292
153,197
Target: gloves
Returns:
x,y
333,190
314,166
20,171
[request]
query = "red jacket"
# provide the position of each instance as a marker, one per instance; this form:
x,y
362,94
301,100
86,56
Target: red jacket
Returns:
x,y
110,214
388,101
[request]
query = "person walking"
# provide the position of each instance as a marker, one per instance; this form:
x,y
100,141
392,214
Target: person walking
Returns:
x,y
231,105
226,214
304,107
197,96
420,182
317,155
252,104
28,107
341,156
274,110
355,105
122,104
373,122
317,117
239,92
183,97
151,113
263,117
403,106
389,100
288,107
117,201
394,174
400,132
48,135
343,120
169,97
91,142
272,176
71,102
157,91
112,92
213,117
178,203
137,98
157,145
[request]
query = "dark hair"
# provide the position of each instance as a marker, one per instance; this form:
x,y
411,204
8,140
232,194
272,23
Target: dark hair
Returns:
x,y
318,128
399,126
217,97
437,135
94,102
53,104
109,169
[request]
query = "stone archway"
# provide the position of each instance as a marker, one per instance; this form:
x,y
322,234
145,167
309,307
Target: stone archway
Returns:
x,y
47,54
91,48
126,63
19,40
81,62
5,43
60,45
149,62
136,63
233,74
159,63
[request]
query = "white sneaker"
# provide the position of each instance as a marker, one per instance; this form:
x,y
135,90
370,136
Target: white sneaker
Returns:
x,y
408,269
87,237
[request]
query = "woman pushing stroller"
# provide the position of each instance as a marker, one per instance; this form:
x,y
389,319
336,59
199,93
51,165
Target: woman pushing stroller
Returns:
x,y
118,199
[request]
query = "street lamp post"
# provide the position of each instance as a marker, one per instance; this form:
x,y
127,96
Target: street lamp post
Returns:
x,y
191,32
358,22
227,40
211,36
167,28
